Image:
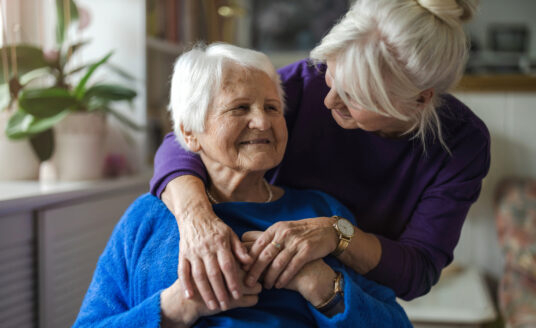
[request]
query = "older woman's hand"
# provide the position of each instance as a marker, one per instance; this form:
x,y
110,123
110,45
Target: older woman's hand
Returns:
x,y
300,242
206,255
179,311
209,249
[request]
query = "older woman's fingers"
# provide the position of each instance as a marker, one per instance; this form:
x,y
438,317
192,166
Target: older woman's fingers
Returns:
x,y
263,260
257,288
251,235
185,277
276,267
246,301
229,269
293,267
215,278
253,238
240,250
203,286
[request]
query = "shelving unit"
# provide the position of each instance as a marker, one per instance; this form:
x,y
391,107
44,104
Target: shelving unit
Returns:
x,y
172,27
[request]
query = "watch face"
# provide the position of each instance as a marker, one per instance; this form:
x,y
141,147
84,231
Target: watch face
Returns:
x,y
345,227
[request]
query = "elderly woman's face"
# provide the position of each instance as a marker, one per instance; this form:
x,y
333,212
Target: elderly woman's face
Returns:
x,y
245,128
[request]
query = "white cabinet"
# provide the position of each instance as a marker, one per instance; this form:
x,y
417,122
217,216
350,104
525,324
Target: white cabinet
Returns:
x,y
50,241
17,271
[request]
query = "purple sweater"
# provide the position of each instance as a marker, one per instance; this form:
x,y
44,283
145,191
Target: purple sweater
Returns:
x,y
415,203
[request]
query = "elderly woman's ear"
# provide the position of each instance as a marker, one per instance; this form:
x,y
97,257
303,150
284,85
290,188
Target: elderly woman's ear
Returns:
x,y
190,139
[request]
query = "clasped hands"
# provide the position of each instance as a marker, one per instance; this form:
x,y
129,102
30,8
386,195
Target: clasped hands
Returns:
x,y
219,271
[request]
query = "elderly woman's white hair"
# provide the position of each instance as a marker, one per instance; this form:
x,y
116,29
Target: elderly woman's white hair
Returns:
x,y
197,76
387,52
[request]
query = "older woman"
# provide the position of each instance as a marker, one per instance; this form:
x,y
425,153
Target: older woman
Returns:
x,y
227,107
373,125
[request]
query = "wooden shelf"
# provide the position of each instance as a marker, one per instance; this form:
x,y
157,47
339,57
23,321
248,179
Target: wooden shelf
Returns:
x,y
166,47
497,83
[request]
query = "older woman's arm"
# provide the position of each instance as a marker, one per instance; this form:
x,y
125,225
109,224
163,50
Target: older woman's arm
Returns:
x,y
365,303
208,246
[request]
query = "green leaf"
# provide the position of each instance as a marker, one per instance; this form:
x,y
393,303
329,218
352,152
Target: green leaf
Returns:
x,y
78,69
28,59
110,92
70,50
43,144
121,72
123,119
23,125
81,87
35,74
61,29
44,103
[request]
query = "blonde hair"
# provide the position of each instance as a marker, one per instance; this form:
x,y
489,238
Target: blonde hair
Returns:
x,y
198,74
387,52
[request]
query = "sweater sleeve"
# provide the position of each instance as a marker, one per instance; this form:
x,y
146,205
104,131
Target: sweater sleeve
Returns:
x,y
172,161
367,304
107,302
412,264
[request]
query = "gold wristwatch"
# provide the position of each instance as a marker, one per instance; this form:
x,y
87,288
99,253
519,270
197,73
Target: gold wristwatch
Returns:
x,y
345,230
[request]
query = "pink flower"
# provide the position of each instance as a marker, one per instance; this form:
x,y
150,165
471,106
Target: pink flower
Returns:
x,y
84,18
51,55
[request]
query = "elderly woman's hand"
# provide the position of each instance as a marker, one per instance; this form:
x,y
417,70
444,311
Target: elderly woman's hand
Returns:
x,y
206,256
299,242
178,311
209,249
314,282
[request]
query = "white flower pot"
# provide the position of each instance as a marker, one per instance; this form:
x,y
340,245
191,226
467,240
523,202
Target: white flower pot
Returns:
x,y
79,146
17,158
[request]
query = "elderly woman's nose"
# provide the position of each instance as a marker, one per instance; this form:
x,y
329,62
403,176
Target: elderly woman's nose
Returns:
x,y
259,120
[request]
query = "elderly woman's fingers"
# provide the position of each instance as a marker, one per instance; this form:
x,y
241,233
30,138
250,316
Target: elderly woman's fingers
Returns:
x,y
240,251
246,301
261,240
215,278
203,285
229,269
276,267
251,235
292,268
263,260
185,277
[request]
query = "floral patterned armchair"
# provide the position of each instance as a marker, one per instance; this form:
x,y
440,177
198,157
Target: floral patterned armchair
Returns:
x,y
516,227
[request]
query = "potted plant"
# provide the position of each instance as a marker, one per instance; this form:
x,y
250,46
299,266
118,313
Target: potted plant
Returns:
x,y
63,120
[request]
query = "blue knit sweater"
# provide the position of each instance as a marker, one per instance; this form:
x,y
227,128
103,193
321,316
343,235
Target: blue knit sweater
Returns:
x,y
140,261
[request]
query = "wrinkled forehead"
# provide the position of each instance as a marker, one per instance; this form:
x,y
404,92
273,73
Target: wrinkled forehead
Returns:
x,y
236,77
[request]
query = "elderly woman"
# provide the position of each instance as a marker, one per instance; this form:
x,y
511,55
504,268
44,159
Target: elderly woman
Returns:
x,y
228,108
371,123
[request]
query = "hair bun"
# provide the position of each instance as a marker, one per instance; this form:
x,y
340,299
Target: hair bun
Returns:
x,y
451,11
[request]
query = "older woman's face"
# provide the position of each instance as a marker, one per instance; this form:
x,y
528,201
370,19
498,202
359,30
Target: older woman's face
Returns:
x,y
354,117
245,128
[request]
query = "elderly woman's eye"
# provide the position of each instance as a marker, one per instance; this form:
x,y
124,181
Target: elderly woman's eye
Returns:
x,y
242,107
272,108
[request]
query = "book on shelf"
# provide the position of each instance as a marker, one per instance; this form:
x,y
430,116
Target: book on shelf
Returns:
x,y
189,21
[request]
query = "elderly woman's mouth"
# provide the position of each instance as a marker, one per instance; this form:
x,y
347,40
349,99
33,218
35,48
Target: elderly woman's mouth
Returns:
x,y
255,142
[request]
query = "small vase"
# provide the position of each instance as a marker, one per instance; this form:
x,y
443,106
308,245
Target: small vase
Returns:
x,y
79,146
17,158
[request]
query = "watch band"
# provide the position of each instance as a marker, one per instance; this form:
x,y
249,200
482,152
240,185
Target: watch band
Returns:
x,y
343,244
335,304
